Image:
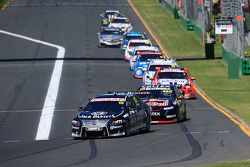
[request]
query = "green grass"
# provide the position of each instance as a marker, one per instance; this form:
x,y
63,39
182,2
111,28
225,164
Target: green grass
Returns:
x,y
232,164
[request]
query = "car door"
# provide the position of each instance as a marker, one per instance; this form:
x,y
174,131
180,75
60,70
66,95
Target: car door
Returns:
x,y
141,114
132,110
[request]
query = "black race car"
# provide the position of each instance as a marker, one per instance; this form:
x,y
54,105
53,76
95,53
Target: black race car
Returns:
x,y
166,102
112,114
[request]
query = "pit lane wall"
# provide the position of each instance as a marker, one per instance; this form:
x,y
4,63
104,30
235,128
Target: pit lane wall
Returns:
x,y
188,24
236,65
3,4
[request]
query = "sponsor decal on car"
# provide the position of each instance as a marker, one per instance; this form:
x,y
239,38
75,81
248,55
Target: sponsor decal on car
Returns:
x,y
108,99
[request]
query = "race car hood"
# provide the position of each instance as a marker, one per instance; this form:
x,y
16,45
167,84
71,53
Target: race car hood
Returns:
x,y
98,115
173,81
159,101
111,37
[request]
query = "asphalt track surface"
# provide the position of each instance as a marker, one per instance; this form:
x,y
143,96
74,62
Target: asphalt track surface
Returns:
x,y
25,71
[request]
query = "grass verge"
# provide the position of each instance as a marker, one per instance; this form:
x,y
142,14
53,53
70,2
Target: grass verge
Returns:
x,y
211,75
232,164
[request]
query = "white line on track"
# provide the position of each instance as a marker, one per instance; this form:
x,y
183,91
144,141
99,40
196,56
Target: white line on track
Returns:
x,y
44,126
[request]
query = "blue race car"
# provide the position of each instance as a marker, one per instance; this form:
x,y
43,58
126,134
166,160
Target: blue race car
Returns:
x,y
129,36
142,62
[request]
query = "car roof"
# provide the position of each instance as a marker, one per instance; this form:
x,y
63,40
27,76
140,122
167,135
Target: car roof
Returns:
x,y
134,33
156,87
150,53
145,48
162,61
172,70
139,40
109,11
124,18
111,29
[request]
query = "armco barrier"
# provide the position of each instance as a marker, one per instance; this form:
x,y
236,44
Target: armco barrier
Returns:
x,y
233,63
4,3
244,63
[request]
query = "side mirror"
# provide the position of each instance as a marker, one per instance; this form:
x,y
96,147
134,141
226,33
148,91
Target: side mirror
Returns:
x,y
192,78
80,109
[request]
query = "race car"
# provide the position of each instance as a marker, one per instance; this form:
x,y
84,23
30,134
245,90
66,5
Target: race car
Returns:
x,y
110,37
166,102
121,22
178,76
153,64
134,43
129,36
108,15
111,114
140,49
142,62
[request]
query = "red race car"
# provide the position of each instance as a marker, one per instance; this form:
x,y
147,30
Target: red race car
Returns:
x,y
179,77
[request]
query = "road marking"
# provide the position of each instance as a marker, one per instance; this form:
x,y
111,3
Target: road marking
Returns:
x,y
34,111
49,104
11,141
241,125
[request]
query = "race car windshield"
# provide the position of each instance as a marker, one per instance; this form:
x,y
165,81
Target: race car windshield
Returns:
x,y
135,37
120,21
140,44
172,75
150,56
112,107
158,94
111,33
138,51
111,13
153,67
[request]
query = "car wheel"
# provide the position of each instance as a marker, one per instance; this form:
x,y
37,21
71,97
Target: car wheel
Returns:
x,y
178,115
128,130
148,125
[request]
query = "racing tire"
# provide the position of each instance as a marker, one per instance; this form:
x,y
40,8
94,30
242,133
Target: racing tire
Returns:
x,y
148,126
178,116
128,130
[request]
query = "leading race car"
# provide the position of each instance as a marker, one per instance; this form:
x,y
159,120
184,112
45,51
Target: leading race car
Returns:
x,y
110,37
112,114
166,102
178,76
121,22
108,15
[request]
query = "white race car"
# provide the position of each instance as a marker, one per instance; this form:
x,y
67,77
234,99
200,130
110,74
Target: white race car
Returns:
x,y
121,22
134,43
153,64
